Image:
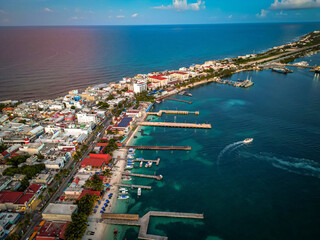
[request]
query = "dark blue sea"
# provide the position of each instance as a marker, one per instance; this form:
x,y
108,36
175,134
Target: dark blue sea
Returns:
x,y
45,62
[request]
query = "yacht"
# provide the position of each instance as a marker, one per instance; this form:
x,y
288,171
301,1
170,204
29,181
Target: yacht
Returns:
x,y
123,197
139,192
248,140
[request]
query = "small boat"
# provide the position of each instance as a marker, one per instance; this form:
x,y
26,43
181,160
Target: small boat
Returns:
x,y
150,164
123,197
248,140
158,101
123,189
127,178
141,163
123,192
147,165
139,192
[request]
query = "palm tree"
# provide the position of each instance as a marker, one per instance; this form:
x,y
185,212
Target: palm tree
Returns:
x,y
107,173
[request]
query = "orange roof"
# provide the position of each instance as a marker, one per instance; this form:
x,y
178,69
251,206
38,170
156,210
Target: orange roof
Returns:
x,y
90,192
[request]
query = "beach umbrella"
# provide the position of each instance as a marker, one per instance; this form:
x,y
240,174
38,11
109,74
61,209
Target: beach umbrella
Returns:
x,y
96,206
101,211
107,201
109,195
99,201
105,204
103,208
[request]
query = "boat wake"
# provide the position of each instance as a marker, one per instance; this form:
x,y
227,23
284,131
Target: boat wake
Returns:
x,y
230,148
301,166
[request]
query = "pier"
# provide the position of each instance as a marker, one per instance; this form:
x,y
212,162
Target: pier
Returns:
x,y
133,186
143,222
179,100
142,175
176,125
186,148
157,162
174,112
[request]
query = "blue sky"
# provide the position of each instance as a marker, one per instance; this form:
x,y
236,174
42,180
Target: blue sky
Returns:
x,y
144,12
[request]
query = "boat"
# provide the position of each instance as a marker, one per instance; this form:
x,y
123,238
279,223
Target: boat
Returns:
x,y
128,167
187,94
141,163
158,101
127,178
248,140
123,197
150,164
281,70
123,192
147,165
123,189
139,192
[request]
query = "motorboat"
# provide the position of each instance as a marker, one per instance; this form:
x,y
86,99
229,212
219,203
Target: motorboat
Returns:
x,y
248,140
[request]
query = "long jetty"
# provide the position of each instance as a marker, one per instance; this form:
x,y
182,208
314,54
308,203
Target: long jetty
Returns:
x,y
174,112
176,125
142,175
133,186
186,148
157,162
143,222
179,100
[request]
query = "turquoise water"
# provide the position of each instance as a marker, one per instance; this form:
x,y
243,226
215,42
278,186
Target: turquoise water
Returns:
x,y
265,190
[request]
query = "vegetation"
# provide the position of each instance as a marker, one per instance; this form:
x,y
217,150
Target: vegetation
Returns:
x,y
3,148
143,96
29,171
94,183
103,105
112,146
107,173
16,160
24,184
76,229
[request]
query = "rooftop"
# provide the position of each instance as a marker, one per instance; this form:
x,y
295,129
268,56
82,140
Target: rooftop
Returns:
x,y
61,209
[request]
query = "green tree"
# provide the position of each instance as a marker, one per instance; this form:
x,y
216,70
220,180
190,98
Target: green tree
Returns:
x,y
94,183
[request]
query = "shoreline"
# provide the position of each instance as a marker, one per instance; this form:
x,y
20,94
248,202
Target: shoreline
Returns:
x,y
271,59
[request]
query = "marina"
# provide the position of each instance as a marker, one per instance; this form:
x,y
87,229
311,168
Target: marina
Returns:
x,y
143,175
133,186
185,148
176,125
179,100
143,222
157,162
173,112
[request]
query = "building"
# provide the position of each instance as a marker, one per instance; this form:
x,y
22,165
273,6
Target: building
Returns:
x,y
58,212
19,201
159,80
139,87
52,231
44,179
84,118
54,164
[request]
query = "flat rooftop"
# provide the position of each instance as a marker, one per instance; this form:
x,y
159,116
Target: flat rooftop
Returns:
x,y
60,209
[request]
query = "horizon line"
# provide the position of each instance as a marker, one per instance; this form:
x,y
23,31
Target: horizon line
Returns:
x,y
170,24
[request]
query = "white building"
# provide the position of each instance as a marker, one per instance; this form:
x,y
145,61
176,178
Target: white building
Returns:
x,y
86,118
139,87
54,164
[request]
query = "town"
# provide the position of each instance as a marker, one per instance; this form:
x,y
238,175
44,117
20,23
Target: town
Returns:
x,y
62,160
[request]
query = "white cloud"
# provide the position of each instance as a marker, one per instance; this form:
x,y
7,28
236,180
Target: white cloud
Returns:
x,y
120,16
262,14
134,15
75,18
182,5
294,4
47,10
3,11
230,16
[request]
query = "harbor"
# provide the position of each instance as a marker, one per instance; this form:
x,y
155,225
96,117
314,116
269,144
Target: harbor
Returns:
x,y
176,125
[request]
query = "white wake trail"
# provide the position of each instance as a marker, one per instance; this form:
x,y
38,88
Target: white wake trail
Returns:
x,y
229,147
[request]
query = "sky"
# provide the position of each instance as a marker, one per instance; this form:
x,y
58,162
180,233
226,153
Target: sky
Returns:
x,y
154,12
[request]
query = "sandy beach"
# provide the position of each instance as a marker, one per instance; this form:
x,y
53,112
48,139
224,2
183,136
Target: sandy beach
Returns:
x,y
94,221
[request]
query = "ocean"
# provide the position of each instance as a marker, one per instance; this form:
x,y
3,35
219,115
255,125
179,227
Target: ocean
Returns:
x,y
269,189
46,62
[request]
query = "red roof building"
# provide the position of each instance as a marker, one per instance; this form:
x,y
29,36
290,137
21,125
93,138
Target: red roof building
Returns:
x,y
9,196
106,157
90,192
52,231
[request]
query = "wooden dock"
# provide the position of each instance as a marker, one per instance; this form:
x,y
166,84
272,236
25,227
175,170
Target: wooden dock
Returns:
x,y
143,222
133,186
176,125
157,162
179,100
173,112
185,148
142,175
